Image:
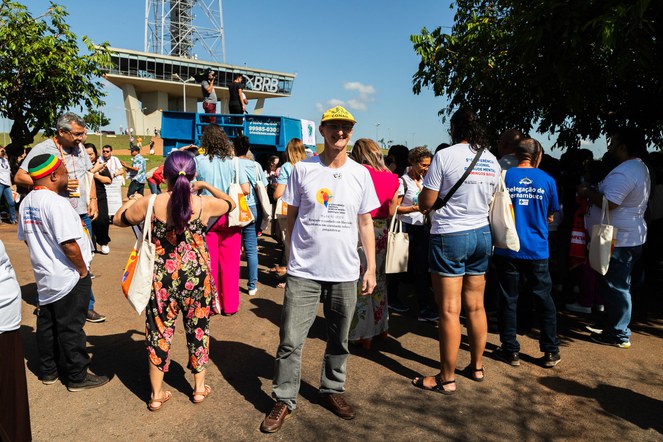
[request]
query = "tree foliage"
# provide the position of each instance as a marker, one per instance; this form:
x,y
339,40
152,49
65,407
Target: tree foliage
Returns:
x,y
575,68
96,120
43,72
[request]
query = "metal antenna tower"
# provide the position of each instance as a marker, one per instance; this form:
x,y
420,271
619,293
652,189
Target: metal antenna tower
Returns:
x,y
182,28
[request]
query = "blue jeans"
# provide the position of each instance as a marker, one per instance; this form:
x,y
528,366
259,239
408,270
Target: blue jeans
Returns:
x,y
250,243
88,225
537,275
615,287
154,189
6,193
300,308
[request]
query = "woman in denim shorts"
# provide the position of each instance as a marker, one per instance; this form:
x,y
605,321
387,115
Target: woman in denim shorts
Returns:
x,y
461,246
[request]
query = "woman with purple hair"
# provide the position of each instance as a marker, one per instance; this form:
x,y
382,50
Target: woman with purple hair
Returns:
x,y
182,276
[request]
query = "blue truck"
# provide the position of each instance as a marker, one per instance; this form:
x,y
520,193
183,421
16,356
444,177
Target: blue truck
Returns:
x,y
267,134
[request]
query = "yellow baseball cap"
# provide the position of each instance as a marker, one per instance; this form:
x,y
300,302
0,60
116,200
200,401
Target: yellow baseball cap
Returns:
x,y
338,113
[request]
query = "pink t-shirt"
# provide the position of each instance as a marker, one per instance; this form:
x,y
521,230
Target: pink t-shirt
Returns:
x,y
386,185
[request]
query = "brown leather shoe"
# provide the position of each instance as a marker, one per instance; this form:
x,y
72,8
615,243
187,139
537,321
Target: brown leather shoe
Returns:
x,y
274,420
336,403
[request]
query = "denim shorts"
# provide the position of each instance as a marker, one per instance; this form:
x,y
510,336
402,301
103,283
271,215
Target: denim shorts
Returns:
x,y
461,253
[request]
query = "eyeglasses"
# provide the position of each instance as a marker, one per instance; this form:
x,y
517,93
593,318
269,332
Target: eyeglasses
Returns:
x,y
105,151
336,127
76,134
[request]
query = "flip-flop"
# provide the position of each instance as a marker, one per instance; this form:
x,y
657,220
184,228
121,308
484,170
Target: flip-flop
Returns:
x,y
204,394
438,387
472,373
165,397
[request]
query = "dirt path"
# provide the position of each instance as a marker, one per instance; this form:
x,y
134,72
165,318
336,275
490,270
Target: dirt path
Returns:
x,y
595,393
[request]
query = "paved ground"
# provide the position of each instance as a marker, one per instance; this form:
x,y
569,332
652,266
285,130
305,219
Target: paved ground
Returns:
x,y
596,393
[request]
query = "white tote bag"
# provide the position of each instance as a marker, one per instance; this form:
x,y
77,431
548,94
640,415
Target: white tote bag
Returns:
x,y
602,241
241,216
263,199
141,284
502,222
398,246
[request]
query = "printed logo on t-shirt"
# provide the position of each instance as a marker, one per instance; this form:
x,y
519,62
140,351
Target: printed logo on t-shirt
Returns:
x,y
525,181
323,196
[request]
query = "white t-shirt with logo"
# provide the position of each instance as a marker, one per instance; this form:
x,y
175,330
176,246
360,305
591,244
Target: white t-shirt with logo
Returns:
x,y
324,238
46,220
410,193
467,208
627,185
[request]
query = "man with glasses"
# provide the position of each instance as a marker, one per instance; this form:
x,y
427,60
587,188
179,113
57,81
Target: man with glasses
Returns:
x,y
67,145
329,199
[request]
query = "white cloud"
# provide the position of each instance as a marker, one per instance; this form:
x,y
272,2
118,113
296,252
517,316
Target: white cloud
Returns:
x,y
359,103
356,104
365,90
335,102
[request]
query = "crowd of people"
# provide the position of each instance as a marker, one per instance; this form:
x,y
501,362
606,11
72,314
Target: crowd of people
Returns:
x,y
331,216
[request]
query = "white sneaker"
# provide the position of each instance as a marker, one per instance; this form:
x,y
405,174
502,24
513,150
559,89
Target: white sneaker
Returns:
x,y
599,307
253,292
105,250
577,308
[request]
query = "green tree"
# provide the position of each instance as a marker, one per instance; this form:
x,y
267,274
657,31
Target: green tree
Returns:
x,y
43,72
96,120
575,68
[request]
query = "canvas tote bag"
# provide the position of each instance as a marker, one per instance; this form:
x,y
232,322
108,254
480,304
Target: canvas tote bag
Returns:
x,y
263,199
502,221
602,241
398,246
241,216
139,271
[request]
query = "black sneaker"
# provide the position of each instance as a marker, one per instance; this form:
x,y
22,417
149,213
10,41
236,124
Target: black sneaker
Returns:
x,y
608,340
49,379
90,381
398,306
510,357
428,315
93,316
550,359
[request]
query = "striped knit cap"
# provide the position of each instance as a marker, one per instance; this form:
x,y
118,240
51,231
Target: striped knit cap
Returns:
x,y
43,165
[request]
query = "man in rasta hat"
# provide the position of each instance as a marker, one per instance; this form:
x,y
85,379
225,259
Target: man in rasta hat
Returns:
x,y
60,253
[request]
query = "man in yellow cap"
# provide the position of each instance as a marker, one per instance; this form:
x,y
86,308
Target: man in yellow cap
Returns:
x,y
329,199
60,253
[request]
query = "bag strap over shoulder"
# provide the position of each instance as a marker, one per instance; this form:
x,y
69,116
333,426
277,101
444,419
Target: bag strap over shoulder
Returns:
x,y
605,211
147,224
443,202
392,225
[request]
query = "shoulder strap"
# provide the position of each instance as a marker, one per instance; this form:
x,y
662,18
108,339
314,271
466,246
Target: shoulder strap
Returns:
x,y
404,185
147,225
442,202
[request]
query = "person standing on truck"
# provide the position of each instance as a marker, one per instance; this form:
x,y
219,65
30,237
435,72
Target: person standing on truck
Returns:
x,y
209,96
237,102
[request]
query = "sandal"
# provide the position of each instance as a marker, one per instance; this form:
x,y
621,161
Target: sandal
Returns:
x,y
204,394
438,387
472,373
165,397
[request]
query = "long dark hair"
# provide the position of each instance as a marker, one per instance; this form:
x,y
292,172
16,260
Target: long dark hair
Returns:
x,y
179,169
465,126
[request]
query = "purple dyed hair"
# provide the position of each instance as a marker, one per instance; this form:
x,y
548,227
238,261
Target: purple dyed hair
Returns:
x,y
180,186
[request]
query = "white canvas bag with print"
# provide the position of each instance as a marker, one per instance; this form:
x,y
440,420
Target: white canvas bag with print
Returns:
x,y
240,216
141,283
502,222
602,241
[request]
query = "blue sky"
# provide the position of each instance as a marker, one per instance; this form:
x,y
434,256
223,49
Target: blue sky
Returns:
x,y
355,53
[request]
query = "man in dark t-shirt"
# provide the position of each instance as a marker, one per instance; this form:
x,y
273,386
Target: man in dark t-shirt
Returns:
x,y
237,102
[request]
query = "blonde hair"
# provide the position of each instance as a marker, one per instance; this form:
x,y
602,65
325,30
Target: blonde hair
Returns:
x,y
367,151
294,151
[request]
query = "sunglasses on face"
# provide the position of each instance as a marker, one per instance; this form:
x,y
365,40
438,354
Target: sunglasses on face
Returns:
x,y
336,127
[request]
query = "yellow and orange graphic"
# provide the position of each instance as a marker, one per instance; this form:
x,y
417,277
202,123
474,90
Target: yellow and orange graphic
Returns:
x,y
323,196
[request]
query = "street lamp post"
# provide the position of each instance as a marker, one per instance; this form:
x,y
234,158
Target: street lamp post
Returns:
x,y
184,82
377,125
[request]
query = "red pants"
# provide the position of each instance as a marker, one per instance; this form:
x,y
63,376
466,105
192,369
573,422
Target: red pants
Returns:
x,y
224,244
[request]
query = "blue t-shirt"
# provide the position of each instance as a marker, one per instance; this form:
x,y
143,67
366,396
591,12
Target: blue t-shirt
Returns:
x,y
534,195
284,173
253,173
220,173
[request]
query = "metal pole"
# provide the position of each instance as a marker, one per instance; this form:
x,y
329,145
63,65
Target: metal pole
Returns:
x,y
100,142
184,94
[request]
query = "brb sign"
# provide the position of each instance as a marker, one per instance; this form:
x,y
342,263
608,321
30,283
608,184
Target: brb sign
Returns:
x,y
264,84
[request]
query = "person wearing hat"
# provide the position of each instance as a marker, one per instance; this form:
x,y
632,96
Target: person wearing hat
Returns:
x,y
60,253
329,199
67,144
137,172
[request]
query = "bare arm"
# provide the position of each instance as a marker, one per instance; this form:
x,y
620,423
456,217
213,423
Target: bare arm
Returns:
x,y
103,179
246,188
135,208
93,208
367,237
293,211
594,196
73,252
22,178
278,192
395,201
427,198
